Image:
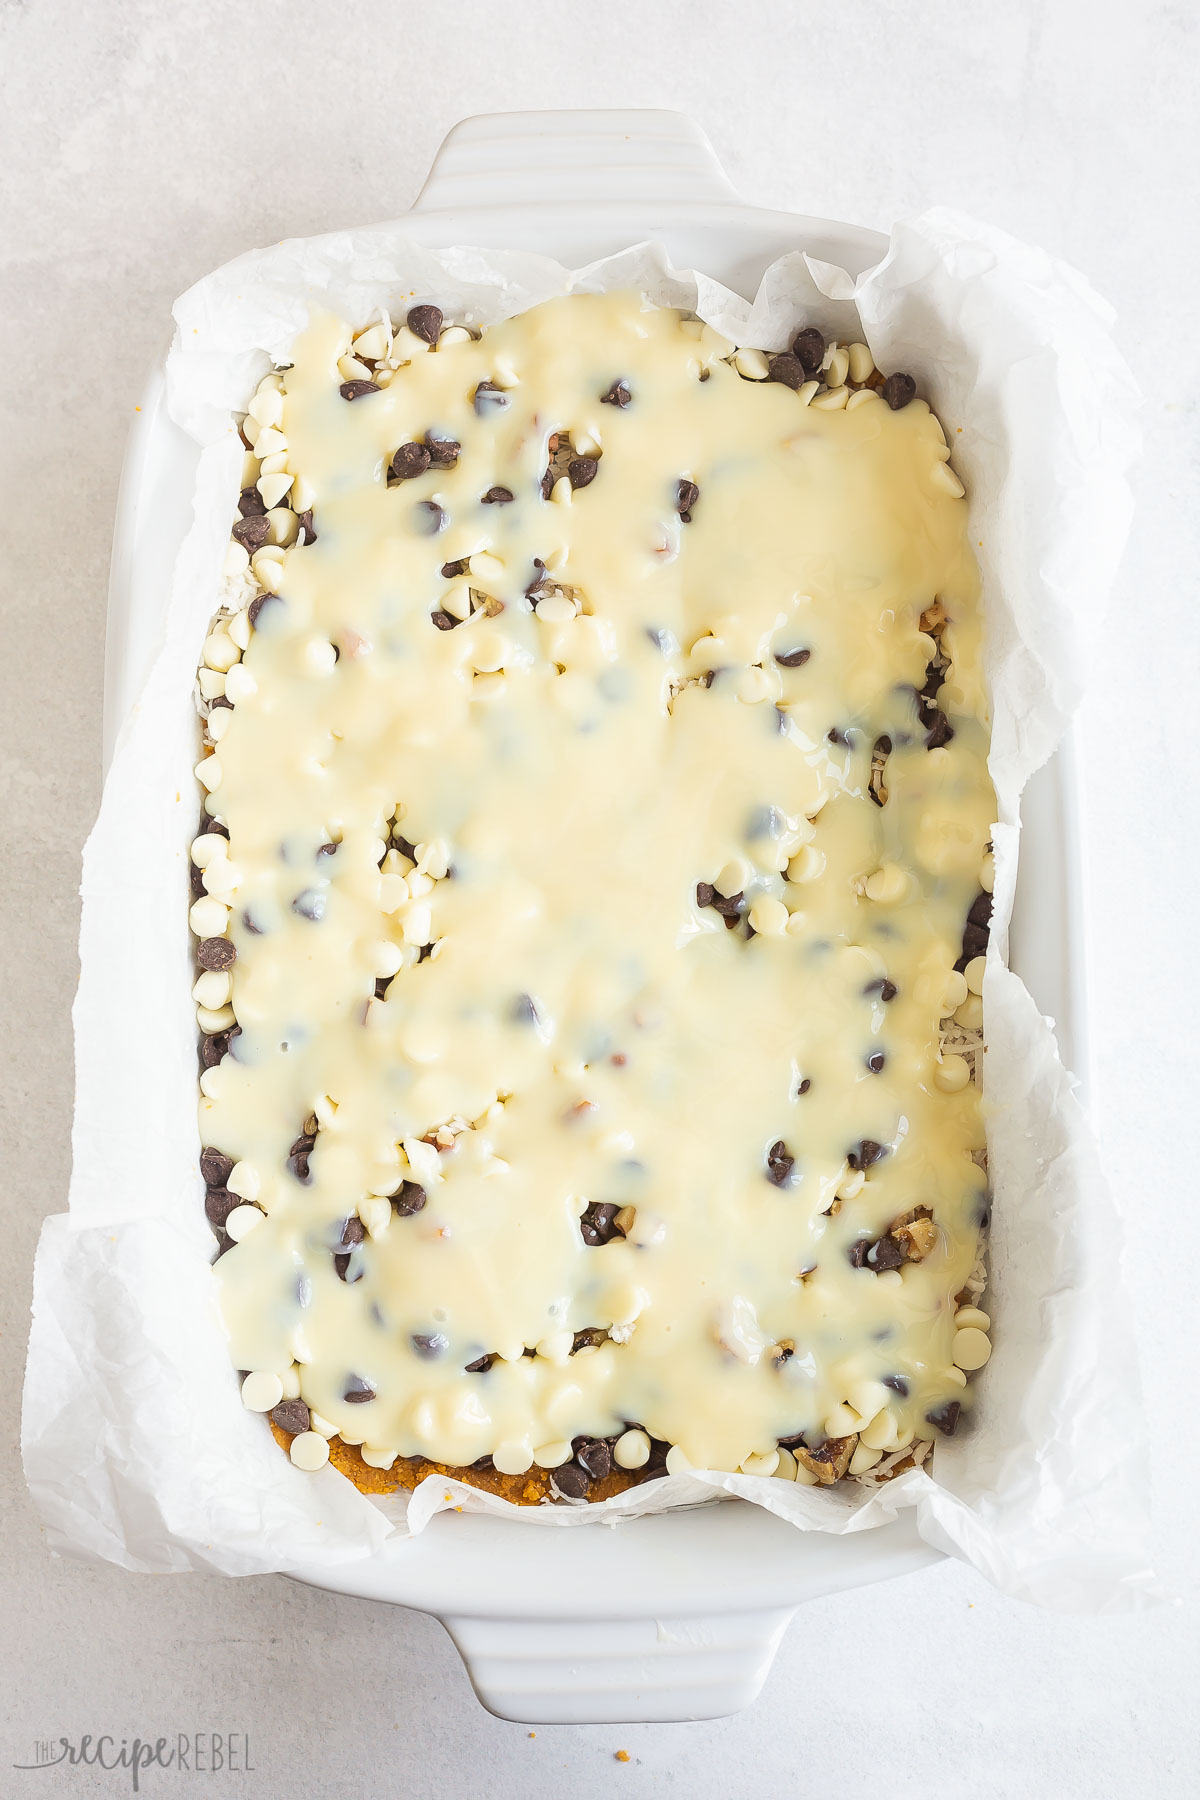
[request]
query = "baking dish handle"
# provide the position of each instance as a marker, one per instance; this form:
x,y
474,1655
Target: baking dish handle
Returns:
x,y
618,1671
586,157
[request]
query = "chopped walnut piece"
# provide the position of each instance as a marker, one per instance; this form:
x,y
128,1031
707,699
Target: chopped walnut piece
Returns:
x,y
830,1462
915,1232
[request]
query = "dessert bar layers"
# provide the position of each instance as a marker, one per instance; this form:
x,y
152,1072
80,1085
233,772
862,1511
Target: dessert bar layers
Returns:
x,y
591,904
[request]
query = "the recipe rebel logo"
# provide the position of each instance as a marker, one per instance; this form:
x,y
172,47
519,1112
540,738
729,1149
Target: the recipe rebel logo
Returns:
x,y
193,1753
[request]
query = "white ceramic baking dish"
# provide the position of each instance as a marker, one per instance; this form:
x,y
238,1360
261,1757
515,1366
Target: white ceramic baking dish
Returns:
x,y
673,1617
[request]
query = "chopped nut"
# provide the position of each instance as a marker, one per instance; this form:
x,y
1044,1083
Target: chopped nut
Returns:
x,y
830,1462
915,1232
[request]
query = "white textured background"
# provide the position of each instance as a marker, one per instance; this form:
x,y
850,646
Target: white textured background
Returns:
x,y
141,143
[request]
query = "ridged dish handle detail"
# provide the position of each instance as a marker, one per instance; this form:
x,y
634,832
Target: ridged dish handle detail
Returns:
x,y
521,158
620,1671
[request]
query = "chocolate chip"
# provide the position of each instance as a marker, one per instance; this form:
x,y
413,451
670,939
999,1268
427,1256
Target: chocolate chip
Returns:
x,y
382,984
425,322
353,1232
836,735
308,531
358,1391
808,347
298,1161
876,1061
251,924
728,905
594,1456
256,605
883,746
946,1417
617,395
423,951
581,470
410,461
547,484
251,503
981,910
219,1203
705,893
481,1365
215,828
408,1199
445,621
450,570
787,369
898,390
215,953
291,1416
940,731
488,398
354,390
885,1255
571,1481
866,1154
443,452
597,1223
858,1252
216,1167
792,659
779,1163
430,517
804,1086
429,1344
497,496
539,578
898,1385
216,1045
311,904
523,1011
886,989
252,533
589,1338
935,678
686,496
341,1268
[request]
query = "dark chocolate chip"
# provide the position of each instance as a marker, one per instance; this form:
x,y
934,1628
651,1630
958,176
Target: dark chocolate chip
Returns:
x,y
424,951
945,1417
686,496
581,470
935,678
617,395
425,322
353,1232
488,398
382,984
705,893
329,849
408,1199
866,1154
355,390
571,1481
310,904
547,484
876,1061
497,496
256,605
779,1163
410,461
251,503
429,1344
215,953
940,731
975,943
728,905
981,909
291,1416
886,989
792,659
898,390
298,1162
597,1223
443,452
215,828
589,1338
858,1252
594,1456
430,517
481,1365
218,1204
452,569
341,1266
252,533
216,1045
215,1167
787,369
539,578
445,621
308,531
808,347
883,746
804,1086
836,735
251,924
358,1391
886,1254
898,1385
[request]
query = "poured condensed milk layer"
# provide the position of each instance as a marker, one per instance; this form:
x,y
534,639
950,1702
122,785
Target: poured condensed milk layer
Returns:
x,y
607,735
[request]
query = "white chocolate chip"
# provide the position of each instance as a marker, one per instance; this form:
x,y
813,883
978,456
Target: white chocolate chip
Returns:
x,y
273,465
208,773
860,363
273,488
841,1422
372,343
753,685
376,1457
209,917
207,848
453,334
211,1022
987,872
785,1468
759,1463
952,1074
833,400
260,1392
733,878
240,1223
212,989
838,367
220,651
268,568
880,1432
222,876
240,684
888,885
807,864
290,1380
972,1348
974,973
308,1450
972,1315
319,656
237,559
587,443
267,406
956,992
553,1456
862,397
970,1014
942,476
350,369
512,1457
632,1450
243,1181
864,1458
211,683
753,365
485,567
269,442
284,526
806,394
677,1462
769,916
